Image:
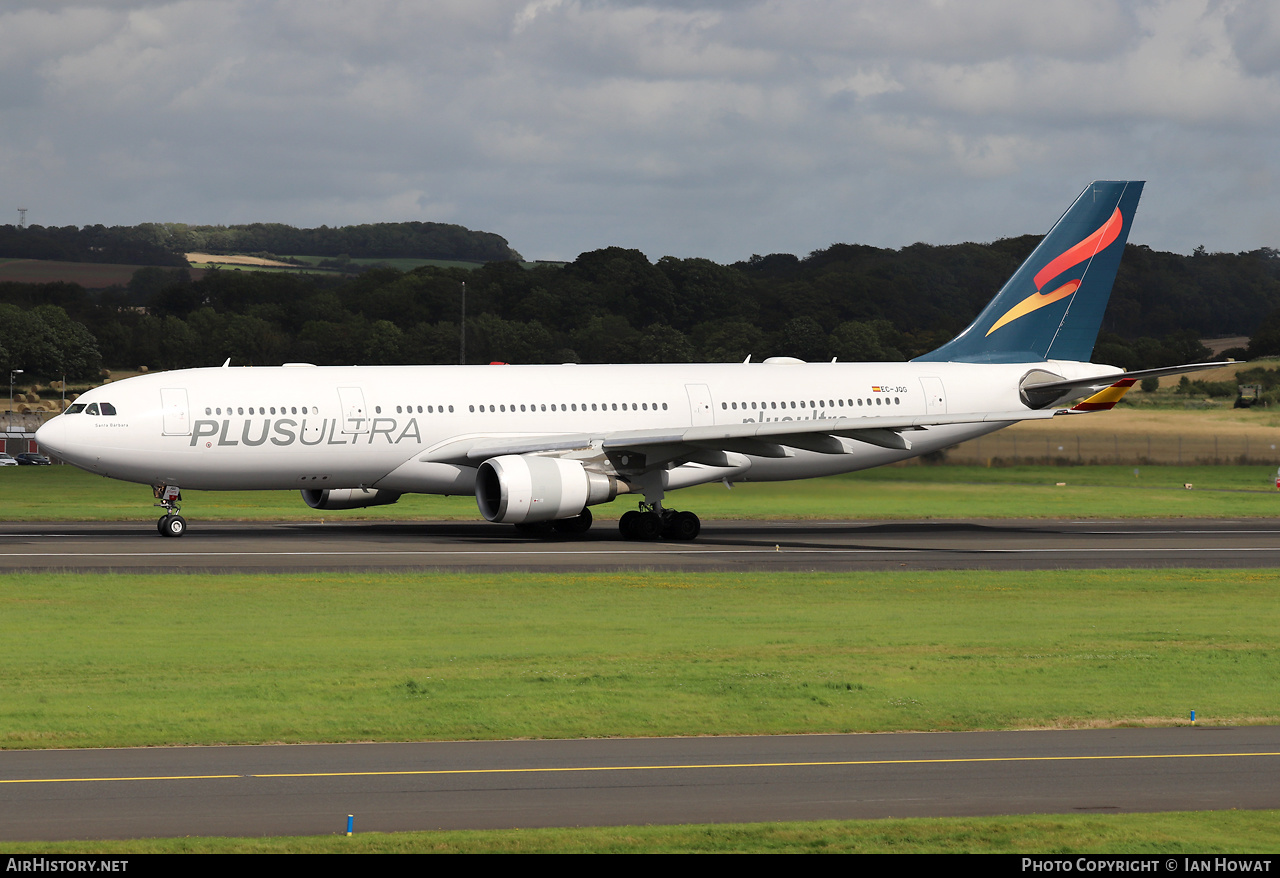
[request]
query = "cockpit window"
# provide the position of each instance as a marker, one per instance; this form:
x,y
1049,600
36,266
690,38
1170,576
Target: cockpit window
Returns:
x,y
92,409
76,408
108,409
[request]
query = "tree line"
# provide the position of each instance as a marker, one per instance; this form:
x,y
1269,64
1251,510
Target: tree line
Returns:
x,y
165,243
849,302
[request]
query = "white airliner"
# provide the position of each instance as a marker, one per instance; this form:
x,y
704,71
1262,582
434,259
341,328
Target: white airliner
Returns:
x,y
538,445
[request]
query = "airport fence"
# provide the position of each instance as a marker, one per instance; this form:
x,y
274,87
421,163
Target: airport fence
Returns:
x,y
1010,448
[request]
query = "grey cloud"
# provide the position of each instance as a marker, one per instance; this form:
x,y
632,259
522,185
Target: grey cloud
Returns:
x,y
692,128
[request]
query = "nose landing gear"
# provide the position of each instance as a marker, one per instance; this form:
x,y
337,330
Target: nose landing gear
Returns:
x,y
171,524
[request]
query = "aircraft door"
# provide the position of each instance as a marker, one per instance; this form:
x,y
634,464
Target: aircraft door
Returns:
x,y
700,405
355,418
935,396
177,417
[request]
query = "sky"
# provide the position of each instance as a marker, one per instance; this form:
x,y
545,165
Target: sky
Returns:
x,y
709,128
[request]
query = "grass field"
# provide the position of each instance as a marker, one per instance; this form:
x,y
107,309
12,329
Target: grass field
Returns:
x,y
117,660
1215,832
63,493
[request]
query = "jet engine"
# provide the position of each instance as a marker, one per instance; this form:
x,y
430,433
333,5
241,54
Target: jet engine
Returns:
x,y
348,498
516,489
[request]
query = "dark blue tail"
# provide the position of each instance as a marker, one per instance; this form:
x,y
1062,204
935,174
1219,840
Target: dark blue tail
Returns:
x,y
1052,307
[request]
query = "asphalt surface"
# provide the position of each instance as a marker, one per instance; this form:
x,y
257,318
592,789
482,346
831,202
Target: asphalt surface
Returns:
x,y
310,789
723,545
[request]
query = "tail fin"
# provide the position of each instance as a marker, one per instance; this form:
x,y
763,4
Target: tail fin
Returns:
x,y
1052,307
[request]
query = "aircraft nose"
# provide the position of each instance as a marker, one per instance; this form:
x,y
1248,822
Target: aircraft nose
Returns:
x,y
51,436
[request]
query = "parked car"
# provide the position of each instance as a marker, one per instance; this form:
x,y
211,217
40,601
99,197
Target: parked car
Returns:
x,y
30,458
7,459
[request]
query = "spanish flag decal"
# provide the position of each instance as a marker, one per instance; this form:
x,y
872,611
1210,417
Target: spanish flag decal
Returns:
x,y
1105,235
1106,398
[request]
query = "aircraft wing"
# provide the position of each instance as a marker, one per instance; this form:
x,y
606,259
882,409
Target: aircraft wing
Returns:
x,y
768,439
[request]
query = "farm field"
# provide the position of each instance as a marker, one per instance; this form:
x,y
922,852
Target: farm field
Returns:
x,y
313,263
1137,434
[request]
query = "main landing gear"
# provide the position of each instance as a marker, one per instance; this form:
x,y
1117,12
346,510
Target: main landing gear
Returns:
x,y
651,522
171,524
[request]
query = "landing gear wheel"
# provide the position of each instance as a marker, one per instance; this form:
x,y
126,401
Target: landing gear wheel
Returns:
x,y
579,524
627,524
161,524
683,526
647,526
174,525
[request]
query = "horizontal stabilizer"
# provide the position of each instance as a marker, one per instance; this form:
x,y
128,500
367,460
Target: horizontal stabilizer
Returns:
x,y
1099,381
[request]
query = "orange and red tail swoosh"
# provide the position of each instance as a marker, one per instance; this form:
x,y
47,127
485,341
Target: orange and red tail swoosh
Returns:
x,y
1099,240
1103,237
1034,302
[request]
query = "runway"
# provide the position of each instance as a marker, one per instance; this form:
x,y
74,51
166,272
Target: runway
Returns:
x,y
310,789
724,545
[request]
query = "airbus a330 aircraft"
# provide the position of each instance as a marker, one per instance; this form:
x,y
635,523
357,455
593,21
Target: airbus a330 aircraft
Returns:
x,y
538,445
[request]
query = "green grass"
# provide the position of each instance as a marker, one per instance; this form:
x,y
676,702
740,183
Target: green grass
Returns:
x,y
123,660
63,493
1189,833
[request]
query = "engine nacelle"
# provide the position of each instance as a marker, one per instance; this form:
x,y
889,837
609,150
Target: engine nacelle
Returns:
x,y
516,489
348,498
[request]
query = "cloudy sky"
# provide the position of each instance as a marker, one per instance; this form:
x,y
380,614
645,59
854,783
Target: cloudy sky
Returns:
x,y
716,128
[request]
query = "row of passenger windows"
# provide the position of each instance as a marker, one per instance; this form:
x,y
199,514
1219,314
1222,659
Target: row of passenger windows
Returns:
x,y
108,409
408,409
262,410
573,407
830,403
